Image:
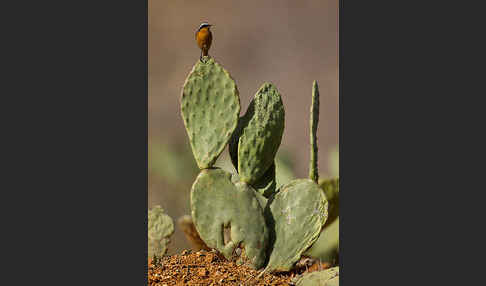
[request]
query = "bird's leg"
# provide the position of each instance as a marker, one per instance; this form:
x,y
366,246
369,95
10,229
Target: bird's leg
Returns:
x,y
200,58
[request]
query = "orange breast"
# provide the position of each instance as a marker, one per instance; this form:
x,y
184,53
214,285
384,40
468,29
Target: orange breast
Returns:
x,y
204,39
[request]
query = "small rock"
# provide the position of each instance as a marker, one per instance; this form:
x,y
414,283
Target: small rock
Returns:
x,y
185,252
210,258
202,272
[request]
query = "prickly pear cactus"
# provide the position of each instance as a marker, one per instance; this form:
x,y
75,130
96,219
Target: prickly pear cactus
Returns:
x,y
210,107
326,248
160,228
296,214
229,217
267,183
331,189
328,277
314,120
259,134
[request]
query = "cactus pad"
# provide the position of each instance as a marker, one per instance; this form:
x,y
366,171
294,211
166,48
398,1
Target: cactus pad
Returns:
x,y
259,134
326,247
160,228
328,277
210,108
298,212
314,120
331,189
229,217
267,183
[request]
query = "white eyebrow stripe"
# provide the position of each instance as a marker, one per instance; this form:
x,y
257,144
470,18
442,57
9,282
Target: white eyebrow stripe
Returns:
x,y
203,24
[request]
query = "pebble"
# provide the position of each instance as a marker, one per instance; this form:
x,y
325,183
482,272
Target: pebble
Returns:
x,y
202,272
185,252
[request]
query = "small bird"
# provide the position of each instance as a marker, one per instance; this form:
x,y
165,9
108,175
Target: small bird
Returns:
x,y
204,38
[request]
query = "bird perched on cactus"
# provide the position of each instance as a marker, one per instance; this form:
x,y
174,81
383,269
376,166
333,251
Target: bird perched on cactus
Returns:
x,y
204,37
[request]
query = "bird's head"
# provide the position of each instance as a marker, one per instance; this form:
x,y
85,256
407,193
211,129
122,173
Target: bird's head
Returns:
x,y
204,25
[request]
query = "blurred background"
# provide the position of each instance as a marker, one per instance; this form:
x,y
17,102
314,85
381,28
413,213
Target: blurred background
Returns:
x,y
288,43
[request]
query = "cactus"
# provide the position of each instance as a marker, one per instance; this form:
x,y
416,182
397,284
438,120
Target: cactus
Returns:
x,y
160,228
296,214
313,173
267,183
331,189
242,215
210,106
328,277
326,248
259,134
229,217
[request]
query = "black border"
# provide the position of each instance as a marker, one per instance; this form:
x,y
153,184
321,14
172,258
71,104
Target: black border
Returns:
x,y
406,70
74,193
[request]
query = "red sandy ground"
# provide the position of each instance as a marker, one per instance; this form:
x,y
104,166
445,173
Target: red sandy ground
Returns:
x,y
203,268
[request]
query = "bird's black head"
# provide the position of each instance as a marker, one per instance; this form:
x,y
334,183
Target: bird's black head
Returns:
x,y
203,25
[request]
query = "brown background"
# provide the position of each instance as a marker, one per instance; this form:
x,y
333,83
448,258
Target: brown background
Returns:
x,y
288,43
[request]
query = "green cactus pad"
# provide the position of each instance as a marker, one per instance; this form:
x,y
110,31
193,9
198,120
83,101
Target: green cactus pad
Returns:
x,y
261,199
160,228
229,217
328,277
331,189
314,120
267,183
210,108
259,134
296,214
326,247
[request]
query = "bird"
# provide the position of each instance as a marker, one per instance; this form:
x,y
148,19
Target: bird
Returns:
x,y
204,38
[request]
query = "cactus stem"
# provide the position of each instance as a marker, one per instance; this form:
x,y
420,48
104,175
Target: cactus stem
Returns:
x,y
314,120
